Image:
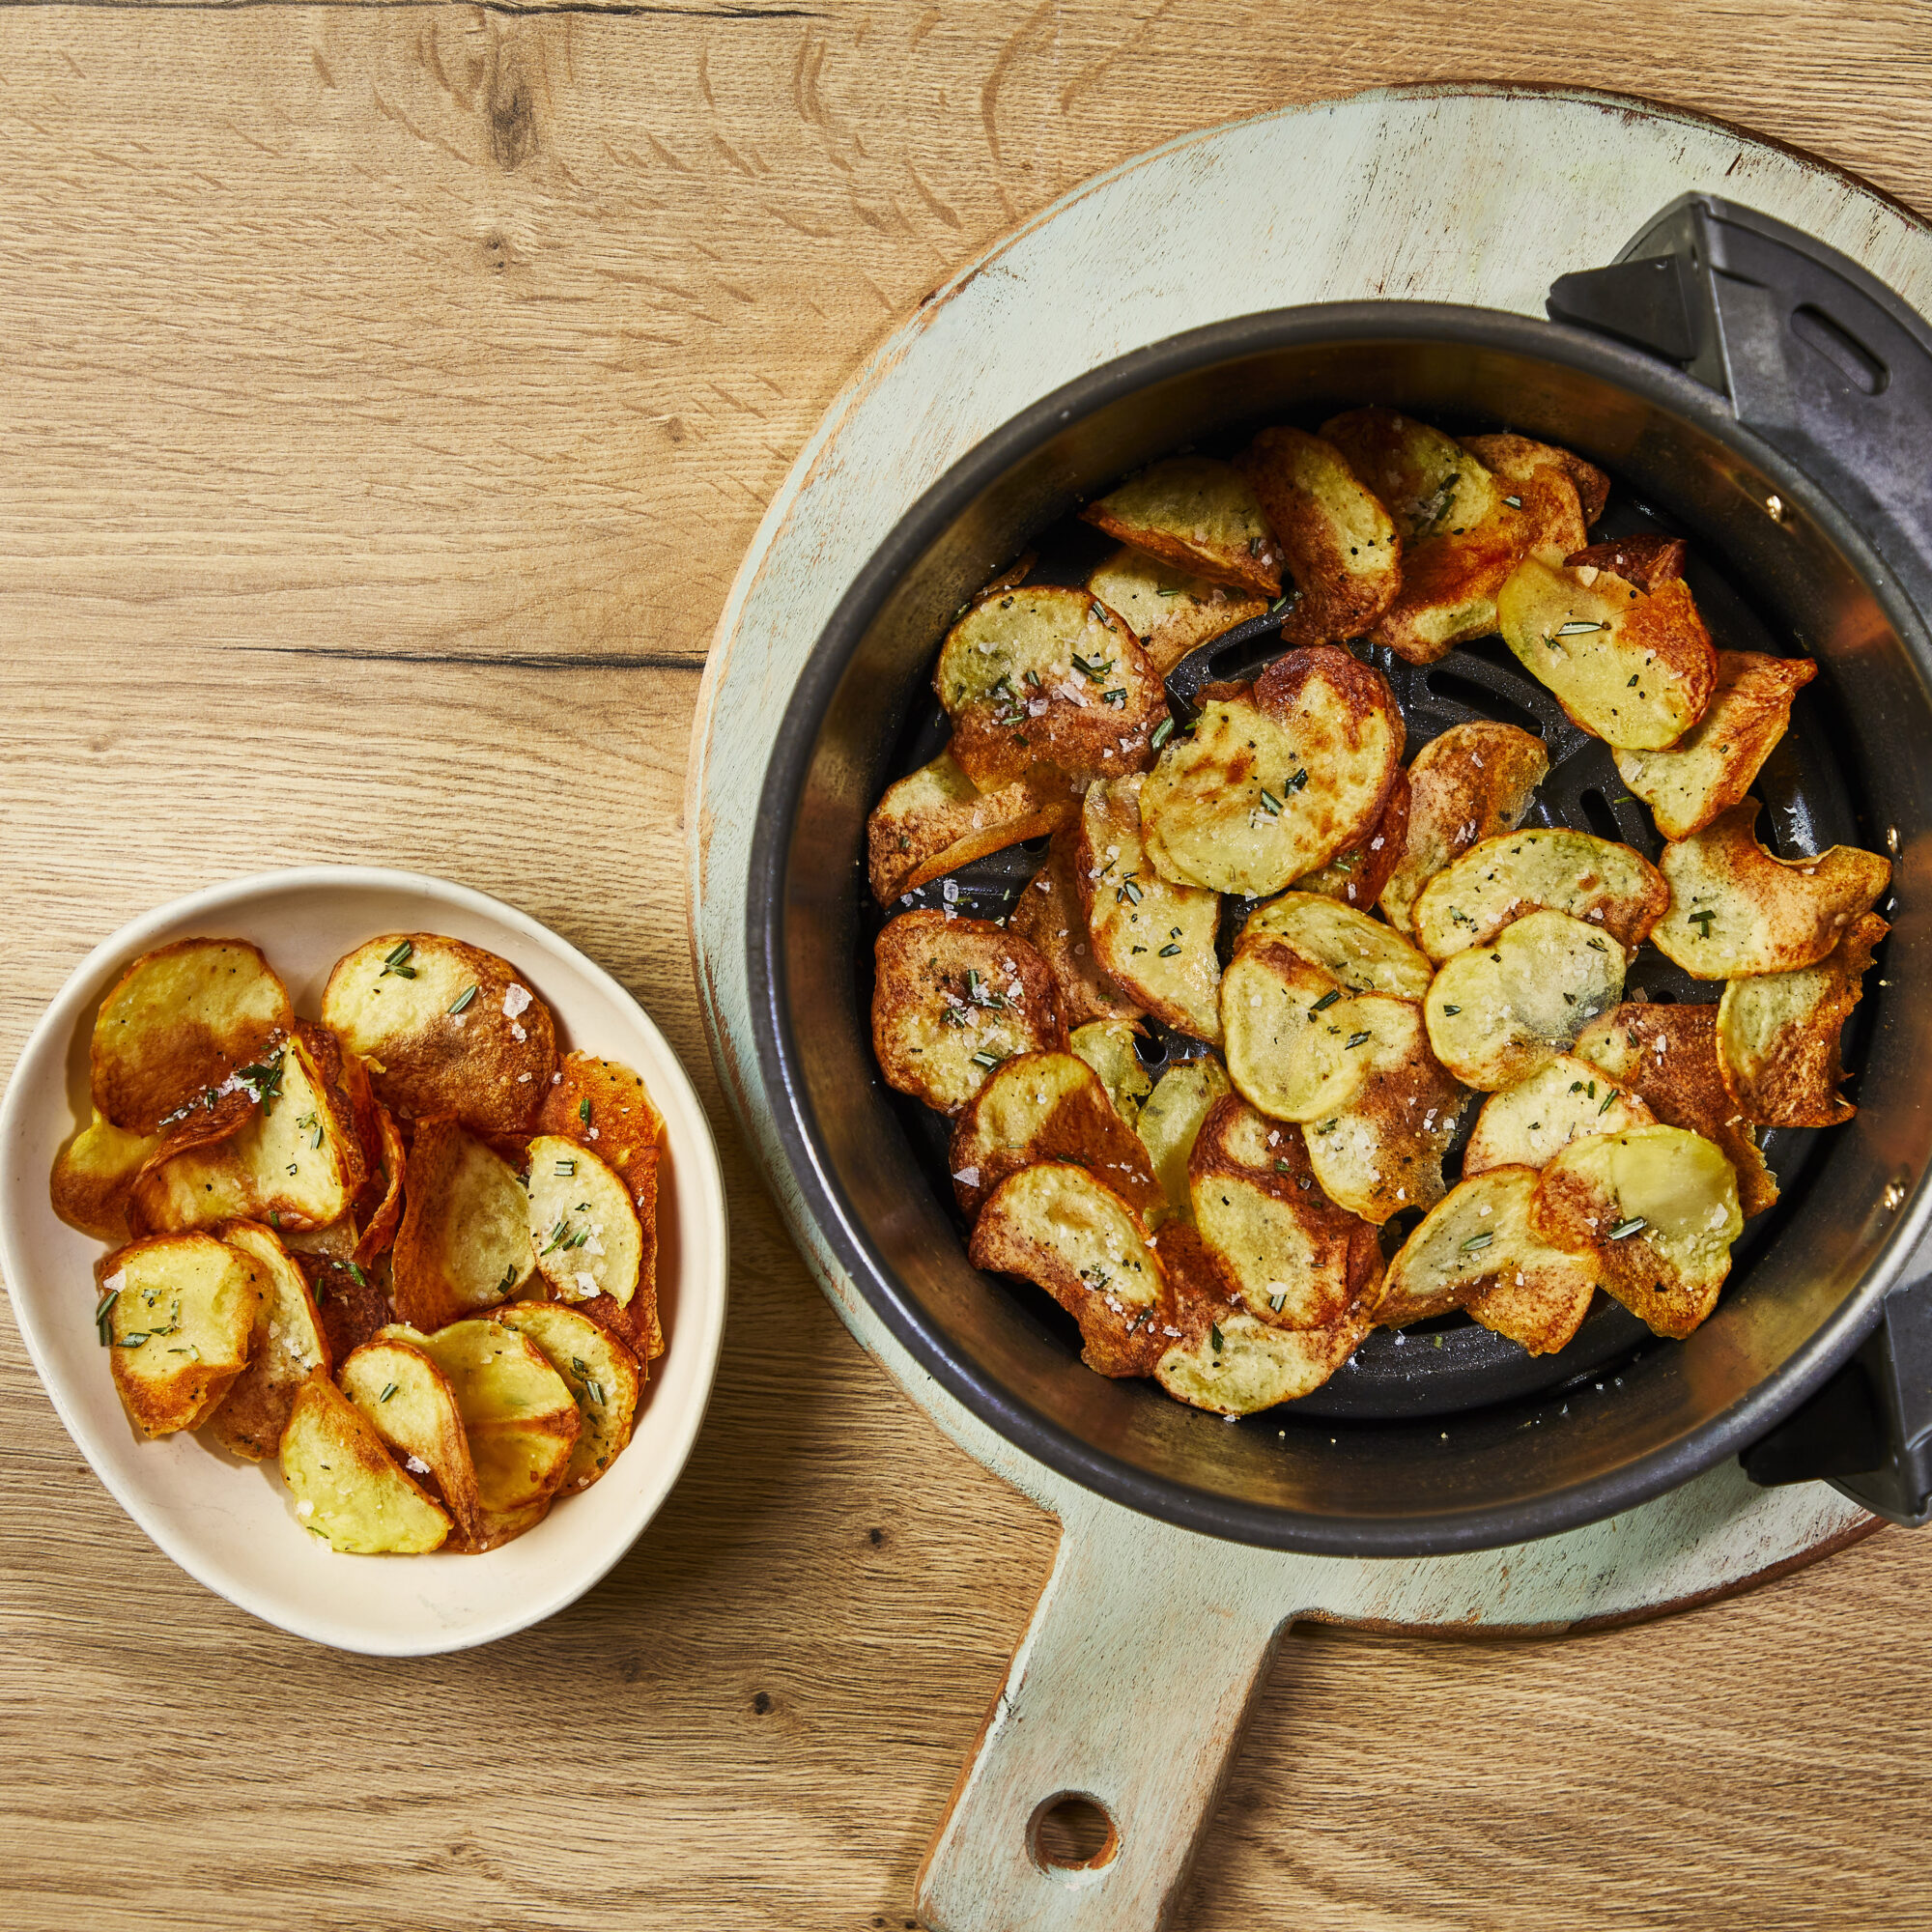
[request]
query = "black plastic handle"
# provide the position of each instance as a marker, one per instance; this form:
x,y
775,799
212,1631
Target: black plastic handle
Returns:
x,y
1818,357
1834,370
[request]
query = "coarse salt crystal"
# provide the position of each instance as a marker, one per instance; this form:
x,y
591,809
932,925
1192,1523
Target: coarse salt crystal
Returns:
x,y
305,1508
968,1177
115,1282
517,1032
516,999
415,1466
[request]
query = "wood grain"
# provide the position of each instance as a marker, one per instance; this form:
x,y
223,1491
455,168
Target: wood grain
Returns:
x,y
390,393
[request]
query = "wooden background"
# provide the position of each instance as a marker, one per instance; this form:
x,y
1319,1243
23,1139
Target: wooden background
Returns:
x,y
388,393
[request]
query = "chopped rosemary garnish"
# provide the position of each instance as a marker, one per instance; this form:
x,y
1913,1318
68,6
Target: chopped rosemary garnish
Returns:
x,y
1271,804
1296,782
583,1111
1481,1240
387,1392
1093,673
396,961
1577,626
1162,733
566,1168
1597,945
1214,1334
1168,951
1327,1000
1117,697
1609,1100
1702,921
1452,1009
1278,1301
1355,1040
1129,892
462,999
101,1313
1624,1228
1515,502
1284,1166
360,1279
509,1280
987,1059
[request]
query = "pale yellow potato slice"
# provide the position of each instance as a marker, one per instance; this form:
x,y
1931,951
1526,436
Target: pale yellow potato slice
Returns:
x,y
1478,1250
518,1412
1299,1044
936,820
1170,611
1525,1124
1553,869
1360,952
1358,875
1171,1118
1108,1047
1338,543
1778,1034
599,1372
288,1345
94,1178
1500,1012
1048,1107
1659,1208
449,1031
347,1489
1043,674
178,1022
1199,514
1382,1152
1633,667
1051,917
1060,1228
464,1243
1711,766
1667,1055
1276,777
1152,938
178,1315
1466,784
581,1223
951,998
1737,910
408,1400
1291,1256
280,1147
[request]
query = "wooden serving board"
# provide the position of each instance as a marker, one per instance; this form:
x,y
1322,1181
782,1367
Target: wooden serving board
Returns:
x,y
1132,1684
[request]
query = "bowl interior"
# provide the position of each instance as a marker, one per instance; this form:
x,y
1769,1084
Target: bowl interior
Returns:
x,y
230,1524
1489,1471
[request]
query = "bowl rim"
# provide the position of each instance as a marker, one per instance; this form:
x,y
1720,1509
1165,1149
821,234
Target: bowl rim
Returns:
x,y
694,1154
1032,1431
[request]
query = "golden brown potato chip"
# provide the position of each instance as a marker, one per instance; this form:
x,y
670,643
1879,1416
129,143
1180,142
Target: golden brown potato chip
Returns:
x,y
180,1021
582,1222
288,1345
408,1400
177,1313
603,1105
1358,876
1358,951
1525,1124
1230,1362
352,1300
1737,910
1153,939
279,1147
1299,1044
1500,1012
1052,919
1513,460
1464,526
938,820
599,1371
1198,515
464,1243
1468,784
1657,1207
1382,1152
1109,1048
951,998
1337,542
449,1031
1778,1034
1047,675
1711,766
1291,1254
1171,611
1645,560
1171,1119
1668,1056
1477,1249
1632,668
347,1490
385,1212
518,1412
1277,777
1048,1107
1552,869
1060,1228
94,1176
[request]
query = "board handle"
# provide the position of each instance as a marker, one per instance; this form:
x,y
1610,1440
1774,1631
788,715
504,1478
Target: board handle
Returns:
x,y
1085,1797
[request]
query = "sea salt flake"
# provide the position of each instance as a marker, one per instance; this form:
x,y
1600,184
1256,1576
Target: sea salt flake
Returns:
x,y
516,999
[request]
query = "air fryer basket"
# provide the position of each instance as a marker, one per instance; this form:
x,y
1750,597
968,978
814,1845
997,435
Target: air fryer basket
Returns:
x,y
1452,1439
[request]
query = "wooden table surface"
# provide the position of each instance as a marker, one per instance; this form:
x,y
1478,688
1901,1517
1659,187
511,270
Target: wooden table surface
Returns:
x,y
389,392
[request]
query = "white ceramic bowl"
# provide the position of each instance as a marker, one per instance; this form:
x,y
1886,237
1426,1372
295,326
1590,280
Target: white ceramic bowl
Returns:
x,y
231,1524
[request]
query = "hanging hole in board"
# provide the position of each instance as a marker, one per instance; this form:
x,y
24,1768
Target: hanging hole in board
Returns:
x,y
1071,1832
